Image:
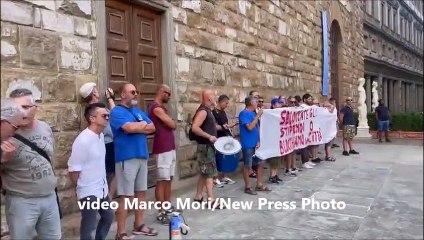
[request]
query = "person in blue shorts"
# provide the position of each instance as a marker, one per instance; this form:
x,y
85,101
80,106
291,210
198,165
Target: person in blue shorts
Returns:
x,y
383,116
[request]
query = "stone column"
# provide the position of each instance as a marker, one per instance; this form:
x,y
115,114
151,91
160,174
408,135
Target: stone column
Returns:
x,y
407,97
368,91
379,80
385,95
413,98
397,91
390,95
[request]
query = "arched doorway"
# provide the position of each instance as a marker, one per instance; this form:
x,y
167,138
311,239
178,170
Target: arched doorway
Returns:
x,y
335,55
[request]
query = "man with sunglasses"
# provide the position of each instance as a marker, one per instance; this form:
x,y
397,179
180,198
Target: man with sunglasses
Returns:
x,y
130,127
28,177
87,172
163,149
12,116
347,119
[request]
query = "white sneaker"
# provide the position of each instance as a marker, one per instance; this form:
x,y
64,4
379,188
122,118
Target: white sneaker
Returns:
x,y
307,166
218,183
311,163
229,181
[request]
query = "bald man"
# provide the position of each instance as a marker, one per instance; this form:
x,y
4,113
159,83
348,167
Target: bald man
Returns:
x,y
130,127
204,128
163,149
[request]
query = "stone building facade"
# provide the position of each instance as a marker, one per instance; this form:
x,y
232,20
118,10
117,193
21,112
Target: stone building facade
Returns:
x,y
393,52
275,47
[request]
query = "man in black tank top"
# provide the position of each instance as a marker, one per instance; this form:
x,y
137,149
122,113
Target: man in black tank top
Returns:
x,y
204,127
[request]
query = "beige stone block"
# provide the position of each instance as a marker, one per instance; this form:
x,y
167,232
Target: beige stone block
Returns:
x,y
188,168
49,4
230,33
9,45
63,148
197,21
16,12
38,48
206,40
48,19
50,114
225,45
179,15
183,65
82,27
241,50
195,70
206,70
63,180
75,7
70,117
76,54
219,75
206,55
65,23
194,5
67,84
226,59
68,201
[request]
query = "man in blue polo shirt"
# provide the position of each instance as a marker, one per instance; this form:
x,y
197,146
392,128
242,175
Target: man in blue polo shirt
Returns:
x,y
249,138
130,127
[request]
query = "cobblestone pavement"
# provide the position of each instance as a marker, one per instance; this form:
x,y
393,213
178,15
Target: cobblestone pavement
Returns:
x,y
382,188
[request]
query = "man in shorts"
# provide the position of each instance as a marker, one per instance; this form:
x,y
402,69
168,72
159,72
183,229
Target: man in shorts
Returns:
x,y
204,128
382,114
163,149
130,127
347,119
249,138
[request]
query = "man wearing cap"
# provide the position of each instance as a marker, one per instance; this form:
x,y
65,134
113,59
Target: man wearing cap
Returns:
x,y
28,177
90,94
12,116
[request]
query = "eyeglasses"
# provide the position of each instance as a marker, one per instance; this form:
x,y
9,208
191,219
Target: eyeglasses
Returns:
x,y
260,101
168,93
293,102
26,107
134,92
11,124
348,100
105,116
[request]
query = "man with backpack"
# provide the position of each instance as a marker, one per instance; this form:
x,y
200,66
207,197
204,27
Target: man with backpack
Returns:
x,y
204,131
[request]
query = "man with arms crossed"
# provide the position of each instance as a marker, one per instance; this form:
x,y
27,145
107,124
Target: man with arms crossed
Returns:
x,y
130,127
164,149
87,172
28,177
347,119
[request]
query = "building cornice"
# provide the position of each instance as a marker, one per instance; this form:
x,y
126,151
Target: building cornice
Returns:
x,y
410,8
395,39
392,66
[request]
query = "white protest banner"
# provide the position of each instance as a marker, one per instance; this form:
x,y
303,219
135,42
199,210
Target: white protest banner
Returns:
x,y
284,130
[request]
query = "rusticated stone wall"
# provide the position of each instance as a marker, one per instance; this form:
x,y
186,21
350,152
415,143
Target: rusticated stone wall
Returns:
x,y
49,47
231,46
271,46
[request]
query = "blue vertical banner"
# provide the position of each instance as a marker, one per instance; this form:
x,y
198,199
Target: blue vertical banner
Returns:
x,y
324,54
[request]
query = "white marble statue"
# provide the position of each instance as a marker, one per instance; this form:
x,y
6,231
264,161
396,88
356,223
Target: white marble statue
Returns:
x,y
362,106
374,96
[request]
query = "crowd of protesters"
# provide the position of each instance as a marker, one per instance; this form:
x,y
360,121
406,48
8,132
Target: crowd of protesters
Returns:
x,y
109,157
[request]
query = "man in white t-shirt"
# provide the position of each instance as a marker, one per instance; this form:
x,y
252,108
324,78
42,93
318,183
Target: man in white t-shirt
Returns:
x,y
86,168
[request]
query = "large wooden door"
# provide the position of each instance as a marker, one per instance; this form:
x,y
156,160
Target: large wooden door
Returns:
x,y
134,54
